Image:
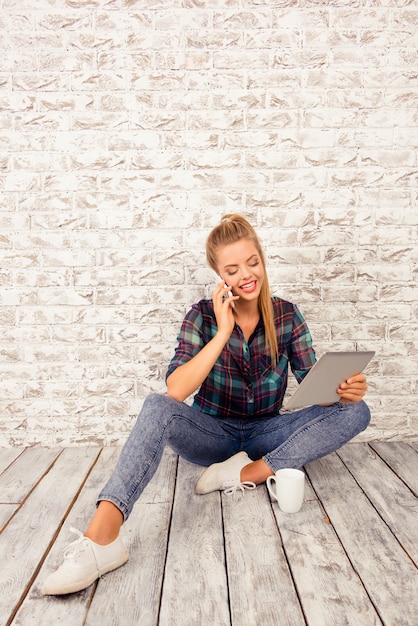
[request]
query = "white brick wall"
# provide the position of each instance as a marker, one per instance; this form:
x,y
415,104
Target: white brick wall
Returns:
x,y
127,128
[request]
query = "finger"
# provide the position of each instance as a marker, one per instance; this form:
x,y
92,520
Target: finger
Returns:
x,y
228,296
351,398
220,291
351,394
223,289
231,301
358,378
346,386
356,391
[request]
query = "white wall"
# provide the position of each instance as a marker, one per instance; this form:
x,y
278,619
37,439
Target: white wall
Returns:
x,y
127,128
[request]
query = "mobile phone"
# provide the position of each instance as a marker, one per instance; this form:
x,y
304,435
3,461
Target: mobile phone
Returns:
x,y
229,295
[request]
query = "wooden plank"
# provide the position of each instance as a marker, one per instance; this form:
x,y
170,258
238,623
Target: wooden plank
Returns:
x,y
195,587
329,589
315,543
20,477
20,471
402,458
131,595
129,592
6,512
388,574
30,532
389,495
260,584
8,456
69,609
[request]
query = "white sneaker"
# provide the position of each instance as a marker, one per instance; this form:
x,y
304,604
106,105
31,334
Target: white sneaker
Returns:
x,y
224,476
84,562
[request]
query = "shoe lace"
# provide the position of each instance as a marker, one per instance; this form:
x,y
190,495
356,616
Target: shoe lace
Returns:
x,y
73,548
245,485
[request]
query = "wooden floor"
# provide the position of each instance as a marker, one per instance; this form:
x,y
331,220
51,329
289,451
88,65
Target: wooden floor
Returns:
x,y
349,556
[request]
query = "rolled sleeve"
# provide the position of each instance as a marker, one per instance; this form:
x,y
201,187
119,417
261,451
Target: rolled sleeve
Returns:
x,y
302,356
190,340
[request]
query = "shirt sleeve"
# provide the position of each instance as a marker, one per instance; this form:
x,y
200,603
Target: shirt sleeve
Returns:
x,y
190,340
302,354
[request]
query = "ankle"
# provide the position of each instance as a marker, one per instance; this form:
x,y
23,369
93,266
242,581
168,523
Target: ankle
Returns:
x,y
101,538
105,524
256,472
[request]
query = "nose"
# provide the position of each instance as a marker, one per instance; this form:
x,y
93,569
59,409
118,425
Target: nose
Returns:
x,y
245,274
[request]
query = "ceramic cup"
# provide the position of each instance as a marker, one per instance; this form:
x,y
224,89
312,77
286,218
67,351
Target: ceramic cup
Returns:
x,y
288,490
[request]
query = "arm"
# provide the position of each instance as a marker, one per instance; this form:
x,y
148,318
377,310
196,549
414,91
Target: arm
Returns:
x,y
301,353
188,377
303,357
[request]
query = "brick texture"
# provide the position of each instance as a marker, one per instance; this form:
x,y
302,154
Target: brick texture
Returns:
x,y
127,128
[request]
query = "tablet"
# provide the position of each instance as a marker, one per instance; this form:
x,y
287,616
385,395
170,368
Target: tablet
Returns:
x,y
322,381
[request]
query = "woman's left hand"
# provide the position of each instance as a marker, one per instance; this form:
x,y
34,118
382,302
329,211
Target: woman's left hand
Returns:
x,y
353,389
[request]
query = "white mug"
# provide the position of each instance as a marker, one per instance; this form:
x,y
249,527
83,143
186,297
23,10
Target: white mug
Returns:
x,y
290,485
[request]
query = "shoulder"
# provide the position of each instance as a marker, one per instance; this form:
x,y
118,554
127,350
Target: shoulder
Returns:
x,y
282,307
203,307
287,314
200,313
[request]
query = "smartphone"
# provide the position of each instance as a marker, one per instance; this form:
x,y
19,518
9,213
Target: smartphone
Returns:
x,y
229,295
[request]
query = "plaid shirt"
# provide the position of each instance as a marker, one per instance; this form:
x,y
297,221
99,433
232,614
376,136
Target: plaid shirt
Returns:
x,y
242,382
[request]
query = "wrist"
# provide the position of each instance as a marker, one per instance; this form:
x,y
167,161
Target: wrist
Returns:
x,y
222,336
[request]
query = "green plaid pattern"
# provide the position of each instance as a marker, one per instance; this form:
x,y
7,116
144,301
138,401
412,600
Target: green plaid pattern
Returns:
x,y
242,382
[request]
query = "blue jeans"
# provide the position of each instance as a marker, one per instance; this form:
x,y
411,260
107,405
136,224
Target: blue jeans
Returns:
x,y
285,440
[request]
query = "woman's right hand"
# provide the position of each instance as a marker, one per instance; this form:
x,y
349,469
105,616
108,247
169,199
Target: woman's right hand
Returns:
x,y
222,306
188,377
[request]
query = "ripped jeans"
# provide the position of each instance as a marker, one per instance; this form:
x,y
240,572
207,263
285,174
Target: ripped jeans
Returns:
x,y
284,440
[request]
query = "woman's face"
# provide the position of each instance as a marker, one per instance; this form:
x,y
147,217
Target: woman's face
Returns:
x,y
241,267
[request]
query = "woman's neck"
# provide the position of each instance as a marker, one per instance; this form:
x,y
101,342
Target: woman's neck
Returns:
x,y
247,315
247,310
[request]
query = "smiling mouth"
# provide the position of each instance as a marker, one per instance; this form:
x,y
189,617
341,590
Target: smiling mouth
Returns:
x,y
249,287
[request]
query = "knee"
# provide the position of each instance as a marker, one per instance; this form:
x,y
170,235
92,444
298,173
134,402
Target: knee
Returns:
x,y
154,402
152,413
152,399
157,404
360,412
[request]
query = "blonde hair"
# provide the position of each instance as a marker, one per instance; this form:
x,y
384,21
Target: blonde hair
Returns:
x,y
231,229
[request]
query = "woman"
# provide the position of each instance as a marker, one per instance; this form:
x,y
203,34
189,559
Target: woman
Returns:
x,y
234,350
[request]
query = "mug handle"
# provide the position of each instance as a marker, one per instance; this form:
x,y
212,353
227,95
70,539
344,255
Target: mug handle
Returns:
x,y
270,488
